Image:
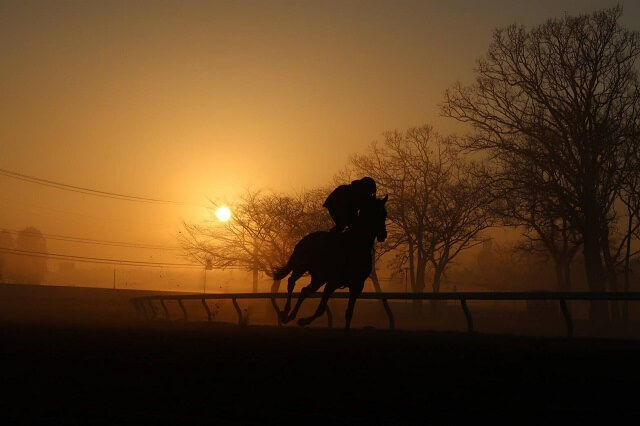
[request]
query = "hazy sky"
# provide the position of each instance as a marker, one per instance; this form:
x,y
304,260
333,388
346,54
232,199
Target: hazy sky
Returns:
x,y
178,100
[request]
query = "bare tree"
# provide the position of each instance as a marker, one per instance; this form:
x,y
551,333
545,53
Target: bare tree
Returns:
x,y
564,98
520,203
434,209
460,213
629,196
261,233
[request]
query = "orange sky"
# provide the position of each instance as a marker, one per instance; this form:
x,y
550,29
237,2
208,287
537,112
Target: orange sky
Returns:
x,y
182,100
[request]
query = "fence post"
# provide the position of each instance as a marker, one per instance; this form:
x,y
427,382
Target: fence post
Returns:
x,y
467,314
154,311
238,311
567,317
277,309
166,311
184,310
204,303
387,308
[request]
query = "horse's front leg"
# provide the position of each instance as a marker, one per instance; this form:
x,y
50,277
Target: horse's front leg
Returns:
x,y
322,306
313,286
291,284
354,292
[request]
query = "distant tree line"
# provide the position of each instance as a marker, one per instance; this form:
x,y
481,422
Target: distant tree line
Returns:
x,y
437,204
261,234
22,258
554,114
437,208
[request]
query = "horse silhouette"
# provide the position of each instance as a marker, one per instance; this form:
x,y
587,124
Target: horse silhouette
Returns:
x,y
336,259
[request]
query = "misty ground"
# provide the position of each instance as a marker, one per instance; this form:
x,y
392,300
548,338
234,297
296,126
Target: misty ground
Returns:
x,y
114,368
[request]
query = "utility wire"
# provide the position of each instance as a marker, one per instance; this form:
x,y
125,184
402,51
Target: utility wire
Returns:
x,y
123,262
83,190
28,207
92,241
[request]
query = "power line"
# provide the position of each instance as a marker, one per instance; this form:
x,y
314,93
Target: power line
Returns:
x,y
27,207
92,241
83,190
123,262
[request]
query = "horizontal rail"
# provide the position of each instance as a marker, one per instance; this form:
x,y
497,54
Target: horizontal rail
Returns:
x,y
562,297
414,296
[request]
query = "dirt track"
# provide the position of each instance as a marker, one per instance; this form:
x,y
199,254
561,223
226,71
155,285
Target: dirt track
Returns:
x,y
197,373
58,368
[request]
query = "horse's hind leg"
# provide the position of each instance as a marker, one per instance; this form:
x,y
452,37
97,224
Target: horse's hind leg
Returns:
x,y
322,306
354,292
313,286
291,283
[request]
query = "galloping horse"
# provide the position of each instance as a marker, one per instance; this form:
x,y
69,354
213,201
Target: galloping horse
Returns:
x,y
336,259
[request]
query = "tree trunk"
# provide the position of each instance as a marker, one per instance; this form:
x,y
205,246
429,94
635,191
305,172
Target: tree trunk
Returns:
x,y
412,270
567,274
421,266
437,278
255,267
595,274
625,304
255,280
378,289
612,278
563,274
420,277
560,279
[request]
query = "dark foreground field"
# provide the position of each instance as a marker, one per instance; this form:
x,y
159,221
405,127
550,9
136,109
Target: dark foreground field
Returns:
x,y
194,373
82,356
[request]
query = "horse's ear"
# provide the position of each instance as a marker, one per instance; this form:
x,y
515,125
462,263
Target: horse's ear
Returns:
x,y
384,200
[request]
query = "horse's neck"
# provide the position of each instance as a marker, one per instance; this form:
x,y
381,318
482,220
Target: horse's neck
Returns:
x,y
360,237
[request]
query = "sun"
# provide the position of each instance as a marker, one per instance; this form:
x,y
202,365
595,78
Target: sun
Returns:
x,y
223,214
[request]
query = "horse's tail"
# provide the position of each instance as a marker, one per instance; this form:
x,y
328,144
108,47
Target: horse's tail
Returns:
x,y
280,273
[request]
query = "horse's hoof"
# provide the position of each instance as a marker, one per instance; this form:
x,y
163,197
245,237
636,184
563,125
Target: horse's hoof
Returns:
x,y
284,317
304,321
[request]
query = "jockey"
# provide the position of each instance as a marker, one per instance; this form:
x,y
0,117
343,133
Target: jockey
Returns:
x,y
346,200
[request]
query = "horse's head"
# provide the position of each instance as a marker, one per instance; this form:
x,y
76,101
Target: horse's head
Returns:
x,y
374,216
